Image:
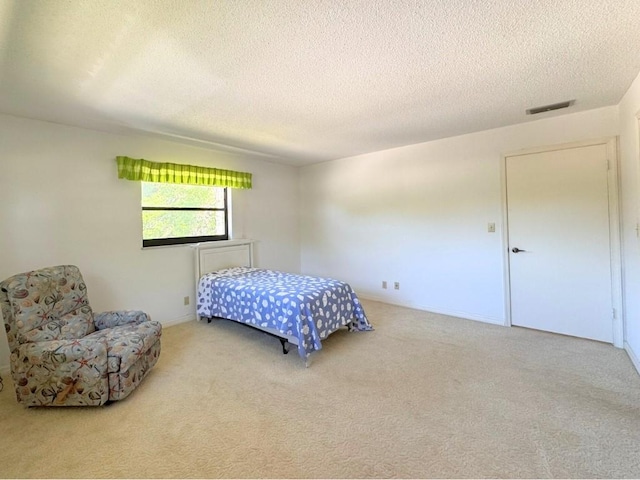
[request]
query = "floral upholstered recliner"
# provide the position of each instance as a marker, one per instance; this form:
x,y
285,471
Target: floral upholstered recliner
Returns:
x,y
64,354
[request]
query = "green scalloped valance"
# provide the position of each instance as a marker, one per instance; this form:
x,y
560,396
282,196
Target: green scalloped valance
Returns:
x,y
146,171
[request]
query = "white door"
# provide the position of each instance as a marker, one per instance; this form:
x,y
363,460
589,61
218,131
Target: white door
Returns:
x,y
559,243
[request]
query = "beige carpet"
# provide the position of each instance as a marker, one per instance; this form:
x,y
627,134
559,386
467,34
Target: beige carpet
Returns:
x,y
423,395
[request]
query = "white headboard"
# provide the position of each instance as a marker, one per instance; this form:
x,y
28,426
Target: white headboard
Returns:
x,y
216,256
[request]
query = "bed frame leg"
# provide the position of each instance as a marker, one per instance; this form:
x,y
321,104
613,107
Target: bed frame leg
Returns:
x,y
285,348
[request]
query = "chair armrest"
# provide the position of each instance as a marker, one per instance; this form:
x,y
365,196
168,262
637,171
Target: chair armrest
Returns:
x,y
120,317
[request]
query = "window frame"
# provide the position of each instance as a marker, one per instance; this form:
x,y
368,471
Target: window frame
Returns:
x,y
160,242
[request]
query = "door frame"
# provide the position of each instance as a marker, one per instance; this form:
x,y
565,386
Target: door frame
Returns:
x,y
613,180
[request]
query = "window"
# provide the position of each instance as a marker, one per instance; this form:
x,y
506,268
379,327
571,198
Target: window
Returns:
x,y
174,214
182,203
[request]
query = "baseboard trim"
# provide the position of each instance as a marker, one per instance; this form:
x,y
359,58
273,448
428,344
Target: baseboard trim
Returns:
x,y
427,308
632,356
179,320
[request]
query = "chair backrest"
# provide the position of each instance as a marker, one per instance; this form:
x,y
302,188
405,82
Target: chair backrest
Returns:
x,y
46,304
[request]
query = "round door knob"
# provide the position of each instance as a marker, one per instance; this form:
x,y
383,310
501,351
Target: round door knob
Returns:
x,y
517,250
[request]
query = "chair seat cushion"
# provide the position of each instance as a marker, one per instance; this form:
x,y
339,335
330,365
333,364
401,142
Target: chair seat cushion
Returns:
x,y
127,343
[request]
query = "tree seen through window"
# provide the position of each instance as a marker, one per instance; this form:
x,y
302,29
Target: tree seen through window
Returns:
x,y
176,213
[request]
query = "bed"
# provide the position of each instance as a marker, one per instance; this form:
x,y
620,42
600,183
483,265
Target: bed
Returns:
x,y
299,310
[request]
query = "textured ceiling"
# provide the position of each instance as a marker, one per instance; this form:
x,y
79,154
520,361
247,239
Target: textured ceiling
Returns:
x,y
303,81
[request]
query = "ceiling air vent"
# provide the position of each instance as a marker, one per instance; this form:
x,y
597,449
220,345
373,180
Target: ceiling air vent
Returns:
x,y
548,108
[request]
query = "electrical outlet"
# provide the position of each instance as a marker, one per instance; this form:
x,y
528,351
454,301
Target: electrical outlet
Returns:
x,y
384,284
186,300
396,285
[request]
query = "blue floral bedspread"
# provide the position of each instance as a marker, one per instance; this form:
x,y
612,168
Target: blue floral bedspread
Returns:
x,y
307,308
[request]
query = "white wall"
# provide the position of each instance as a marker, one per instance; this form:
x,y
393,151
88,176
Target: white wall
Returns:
x,y
61,202
629,160
419,214
416,214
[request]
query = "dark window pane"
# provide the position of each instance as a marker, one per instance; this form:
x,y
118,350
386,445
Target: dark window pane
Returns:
x,y
175,224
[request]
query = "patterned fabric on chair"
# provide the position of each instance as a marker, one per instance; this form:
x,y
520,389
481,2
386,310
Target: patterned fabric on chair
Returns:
x,y
63,354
